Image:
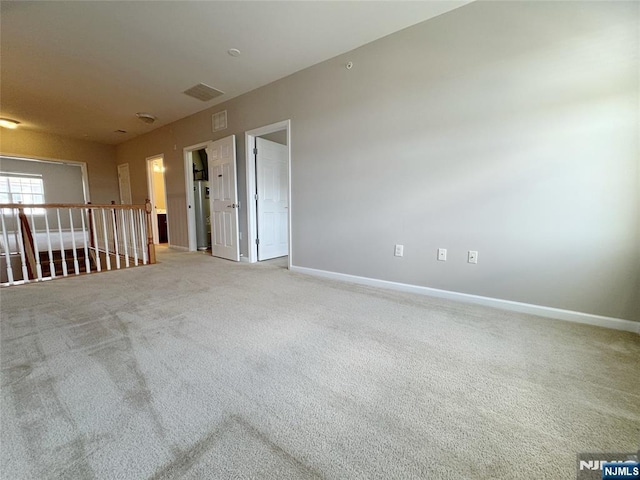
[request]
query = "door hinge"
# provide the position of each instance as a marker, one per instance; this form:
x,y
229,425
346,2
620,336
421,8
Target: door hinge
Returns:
x,y
255,196
255,151
257,241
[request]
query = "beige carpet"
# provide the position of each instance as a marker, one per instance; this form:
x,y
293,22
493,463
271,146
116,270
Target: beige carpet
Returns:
x,y
201,368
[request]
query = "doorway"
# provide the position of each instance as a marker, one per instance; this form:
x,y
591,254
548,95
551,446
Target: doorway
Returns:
x,y
124,184
268,167
196,174
156,187
213,166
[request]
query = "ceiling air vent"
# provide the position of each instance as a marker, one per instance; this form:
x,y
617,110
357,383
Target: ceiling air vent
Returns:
x,y
203,92
119,131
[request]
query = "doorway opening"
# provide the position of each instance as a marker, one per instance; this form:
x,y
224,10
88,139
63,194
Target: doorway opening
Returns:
x,y
268,167
196,172
156,187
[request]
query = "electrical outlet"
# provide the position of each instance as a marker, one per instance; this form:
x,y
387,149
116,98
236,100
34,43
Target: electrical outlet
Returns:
x,y
473,256
399,250
442,254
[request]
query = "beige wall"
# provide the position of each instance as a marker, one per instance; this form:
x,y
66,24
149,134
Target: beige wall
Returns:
x,y
510,128
100,159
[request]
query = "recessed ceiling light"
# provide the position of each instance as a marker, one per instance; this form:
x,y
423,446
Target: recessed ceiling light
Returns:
x,y
8,123
146,117
234,52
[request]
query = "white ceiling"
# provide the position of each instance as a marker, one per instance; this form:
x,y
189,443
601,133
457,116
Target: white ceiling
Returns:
x,y
83,69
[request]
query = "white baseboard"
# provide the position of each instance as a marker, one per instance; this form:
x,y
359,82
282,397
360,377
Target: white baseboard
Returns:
x,y
549,312
179,247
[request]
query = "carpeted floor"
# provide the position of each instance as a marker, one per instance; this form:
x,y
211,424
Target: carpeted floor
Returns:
x,y
200,368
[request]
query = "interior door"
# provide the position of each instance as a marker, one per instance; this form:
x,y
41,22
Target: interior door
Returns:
x,y
124,182
224,199
273,201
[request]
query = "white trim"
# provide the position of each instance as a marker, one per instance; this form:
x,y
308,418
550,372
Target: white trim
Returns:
x,y
549,312
250,170
82,165
178,247
188,180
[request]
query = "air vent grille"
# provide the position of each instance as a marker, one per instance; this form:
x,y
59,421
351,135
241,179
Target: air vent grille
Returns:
x,y
203,92
219,121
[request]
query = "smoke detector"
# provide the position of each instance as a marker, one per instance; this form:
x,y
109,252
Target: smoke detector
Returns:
x,y
146,117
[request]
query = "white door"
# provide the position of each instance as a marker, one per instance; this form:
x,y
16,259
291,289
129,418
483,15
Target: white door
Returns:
x,y
224,198
273,202
124,181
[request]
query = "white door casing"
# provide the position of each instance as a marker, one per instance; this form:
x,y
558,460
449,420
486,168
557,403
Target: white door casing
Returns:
x,y
272,203
224,199
250,159
188,177
124,182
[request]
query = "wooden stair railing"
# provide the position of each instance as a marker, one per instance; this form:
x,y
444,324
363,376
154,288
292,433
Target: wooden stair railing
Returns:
x,y
87,241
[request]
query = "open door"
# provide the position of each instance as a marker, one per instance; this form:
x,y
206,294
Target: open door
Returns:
x,y
224,199
272,204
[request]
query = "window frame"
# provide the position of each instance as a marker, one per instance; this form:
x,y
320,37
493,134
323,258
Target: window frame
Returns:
x,y
25,181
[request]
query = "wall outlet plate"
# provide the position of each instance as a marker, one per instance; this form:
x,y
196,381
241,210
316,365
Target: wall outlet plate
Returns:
x,y
442,254
472,257
399,251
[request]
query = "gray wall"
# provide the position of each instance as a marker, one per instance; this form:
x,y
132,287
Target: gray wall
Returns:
x,y
507,128
100,159
62,182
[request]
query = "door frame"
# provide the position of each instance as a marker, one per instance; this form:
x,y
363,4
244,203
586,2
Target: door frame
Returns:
x,y
128,186
151,197
252,223
188,180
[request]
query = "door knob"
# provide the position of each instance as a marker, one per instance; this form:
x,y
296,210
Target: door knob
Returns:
x,y
233,205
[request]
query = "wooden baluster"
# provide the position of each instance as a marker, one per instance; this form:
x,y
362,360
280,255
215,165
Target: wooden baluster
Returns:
x,y
52,265
115,237
95,240
36,251
87,261
124,238
21,247
7,250
133,238
76,266
62,254
150,244
143,237
28,244
106,239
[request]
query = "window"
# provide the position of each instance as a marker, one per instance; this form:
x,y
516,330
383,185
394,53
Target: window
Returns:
x,y
22,189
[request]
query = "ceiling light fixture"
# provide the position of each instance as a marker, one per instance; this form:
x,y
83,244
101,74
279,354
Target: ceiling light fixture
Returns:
x,y
8,123
146,117
234,52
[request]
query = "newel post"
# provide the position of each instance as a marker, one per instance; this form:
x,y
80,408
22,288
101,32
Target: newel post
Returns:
x,y
151,247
